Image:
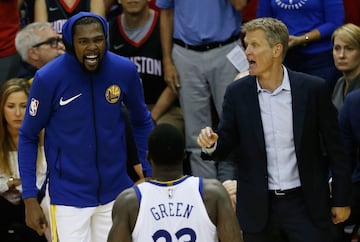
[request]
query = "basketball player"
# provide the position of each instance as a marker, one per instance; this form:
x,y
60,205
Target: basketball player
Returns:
x,y
172,206
85,132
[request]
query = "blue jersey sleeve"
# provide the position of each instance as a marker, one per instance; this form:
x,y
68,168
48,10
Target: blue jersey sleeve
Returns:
x,y
37,112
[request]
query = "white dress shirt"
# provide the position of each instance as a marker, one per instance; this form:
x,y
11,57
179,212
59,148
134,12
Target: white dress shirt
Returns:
x,y
277,121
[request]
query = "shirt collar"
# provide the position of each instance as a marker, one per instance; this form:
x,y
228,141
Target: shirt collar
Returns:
x,y
285,84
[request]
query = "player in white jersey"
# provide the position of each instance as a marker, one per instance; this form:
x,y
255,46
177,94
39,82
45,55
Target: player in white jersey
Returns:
x,y
172,207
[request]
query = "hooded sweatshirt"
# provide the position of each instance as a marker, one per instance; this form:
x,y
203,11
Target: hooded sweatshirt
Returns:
x,y
85,144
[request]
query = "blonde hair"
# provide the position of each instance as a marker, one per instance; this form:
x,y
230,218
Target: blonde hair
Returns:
x,y
6,143
349,33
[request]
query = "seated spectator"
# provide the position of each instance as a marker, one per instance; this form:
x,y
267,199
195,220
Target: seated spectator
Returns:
x,y
346,54
37,44
13,98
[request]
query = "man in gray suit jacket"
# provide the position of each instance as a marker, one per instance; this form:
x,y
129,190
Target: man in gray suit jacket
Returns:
x,y
279,122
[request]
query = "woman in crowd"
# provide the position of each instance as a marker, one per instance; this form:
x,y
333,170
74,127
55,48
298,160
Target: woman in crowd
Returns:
x,y
346,53
13,98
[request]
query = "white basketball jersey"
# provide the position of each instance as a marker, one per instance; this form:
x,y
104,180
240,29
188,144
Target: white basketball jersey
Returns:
x,y
173,212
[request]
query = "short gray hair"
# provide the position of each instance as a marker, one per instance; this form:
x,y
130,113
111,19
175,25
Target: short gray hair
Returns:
x,y
29,36
276,31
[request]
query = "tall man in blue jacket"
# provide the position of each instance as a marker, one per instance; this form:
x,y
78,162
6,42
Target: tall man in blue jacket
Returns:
x,y
277,121
77,98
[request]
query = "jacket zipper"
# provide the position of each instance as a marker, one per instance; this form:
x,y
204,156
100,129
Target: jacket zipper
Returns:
x,y
96,138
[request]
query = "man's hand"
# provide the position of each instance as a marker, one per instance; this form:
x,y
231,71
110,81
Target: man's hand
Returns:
x,y
207,138
340,214
171,76
295,41
34,216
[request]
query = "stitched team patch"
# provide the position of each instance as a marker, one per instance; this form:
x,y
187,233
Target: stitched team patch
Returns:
x,y
112,93
34,104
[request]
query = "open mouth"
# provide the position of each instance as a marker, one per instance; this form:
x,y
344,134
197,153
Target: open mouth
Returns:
x,y
251,62
91,59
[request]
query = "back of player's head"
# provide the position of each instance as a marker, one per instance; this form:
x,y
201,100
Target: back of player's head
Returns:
x,y
166,145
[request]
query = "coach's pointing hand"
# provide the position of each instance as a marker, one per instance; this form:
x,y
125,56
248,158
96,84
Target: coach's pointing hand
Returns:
x,y
207,138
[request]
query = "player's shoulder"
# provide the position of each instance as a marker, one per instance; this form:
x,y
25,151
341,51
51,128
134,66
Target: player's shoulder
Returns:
x,y
212,187
127,194
211,182
127,199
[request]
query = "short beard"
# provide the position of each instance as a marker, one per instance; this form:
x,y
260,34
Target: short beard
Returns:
x,y
91,71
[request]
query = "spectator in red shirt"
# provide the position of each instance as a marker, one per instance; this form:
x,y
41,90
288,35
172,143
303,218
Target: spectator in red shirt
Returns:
x,y
10,25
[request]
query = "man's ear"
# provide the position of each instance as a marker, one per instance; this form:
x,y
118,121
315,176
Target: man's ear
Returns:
x,y
33,54
278,50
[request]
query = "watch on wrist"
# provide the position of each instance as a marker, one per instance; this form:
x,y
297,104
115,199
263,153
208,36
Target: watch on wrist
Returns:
x,y
307,40
10,182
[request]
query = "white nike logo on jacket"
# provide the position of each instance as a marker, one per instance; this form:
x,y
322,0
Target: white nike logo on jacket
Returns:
x,y
63,102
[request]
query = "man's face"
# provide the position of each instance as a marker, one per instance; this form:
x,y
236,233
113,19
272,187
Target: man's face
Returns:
x,y
346,57
89,45
50,47
258,52
134,7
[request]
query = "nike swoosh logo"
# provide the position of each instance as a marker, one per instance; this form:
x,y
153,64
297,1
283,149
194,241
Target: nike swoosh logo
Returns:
x,y
69,100
116,47
53,9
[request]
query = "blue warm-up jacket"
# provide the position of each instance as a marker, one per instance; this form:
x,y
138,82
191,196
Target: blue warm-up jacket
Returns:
x,y
85,143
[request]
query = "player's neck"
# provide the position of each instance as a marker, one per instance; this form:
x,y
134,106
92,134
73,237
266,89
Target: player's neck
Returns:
x,y
167,174
133,21
169,181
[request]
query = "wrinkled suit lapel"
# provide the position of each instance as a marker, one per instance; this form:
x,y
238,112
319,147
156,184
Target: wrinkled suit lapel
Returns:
x,y
254,113
299,106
